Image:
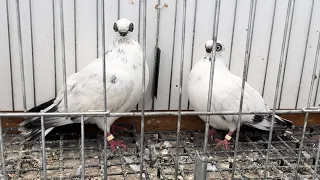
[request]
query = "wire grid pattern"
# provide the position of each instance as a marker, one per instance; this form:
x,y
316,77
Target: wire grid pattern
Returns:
x,y
276,156
64,160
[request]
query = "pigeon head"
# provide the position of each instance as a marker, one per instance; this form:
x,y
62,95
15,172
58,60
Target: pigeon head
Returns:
x,y
219,47
123,27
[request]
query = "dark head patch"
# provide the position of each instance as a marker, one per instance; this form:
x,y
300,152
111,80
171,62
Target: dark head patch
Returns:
x,y
113,79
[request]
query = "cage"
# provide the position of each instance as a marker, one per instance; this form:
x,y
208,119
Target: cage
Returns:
x,y
273,45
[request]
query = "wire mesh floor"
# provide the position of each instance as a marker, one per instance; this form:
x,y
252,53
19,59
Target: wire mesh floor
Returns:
x,y
64,156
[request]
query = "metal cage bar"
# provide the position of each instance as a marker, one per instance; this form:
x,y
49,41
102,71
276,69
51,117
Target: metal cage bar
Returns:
x,y
43,147
3,161
183,38
232,34
82,150
23,88
283,49
32,54
103,46
173,51
269,47
308,106
63,56
54,48
286,55
143,85
212,66
252,12
304,54
193,36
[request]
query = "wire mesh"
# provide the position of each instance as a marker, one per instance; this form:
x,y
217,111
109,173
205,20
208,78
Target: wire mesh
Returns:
x,y
24,161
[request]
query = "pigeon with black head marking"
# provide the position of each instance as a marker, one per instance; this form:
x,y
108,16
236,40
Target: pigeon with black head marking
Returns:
x,y
226,93
123,60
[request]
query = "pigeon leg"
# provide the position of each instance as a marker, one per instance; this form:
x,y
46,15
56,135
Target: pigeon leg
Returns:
x,y
212,132
113,144
114,127
225,141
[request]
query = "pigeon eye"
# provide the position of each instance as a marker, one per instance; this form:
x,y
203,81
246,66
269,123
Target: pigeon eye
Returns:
x,y
219,47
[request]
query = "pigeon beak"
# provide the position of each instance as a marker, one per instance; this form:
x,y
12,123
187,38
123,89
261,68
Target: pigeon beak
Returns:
x,y
123,33
209,50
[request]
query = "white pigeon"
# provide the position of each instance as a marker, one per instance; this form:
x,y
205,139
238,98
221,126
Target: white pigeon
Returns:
x,y
226,93
124,62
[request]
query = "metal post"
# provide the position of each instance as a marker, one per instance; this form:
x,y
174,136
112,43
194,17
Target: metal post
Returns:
x,y
213,60
103,45
183,38
54,48
143,85
283,49
232,34
308,106
3,161
193,36
75,35
269,48
43,147
82,150
173,51
10,57
63,56
32,54
24,98
252,13
200,170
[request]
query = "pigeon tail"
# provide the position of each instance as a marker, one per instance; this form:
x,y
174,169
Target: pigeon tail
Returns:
x,y
263,122
30,128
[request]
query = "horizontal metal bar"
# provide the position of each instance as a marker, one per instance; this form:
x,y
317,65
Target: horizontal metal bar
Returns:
x,y
156,113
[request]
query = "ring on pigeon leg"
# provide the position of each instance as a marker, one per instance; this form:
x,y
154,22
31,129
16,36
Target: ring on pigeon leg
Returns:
x,y
227,137
110,137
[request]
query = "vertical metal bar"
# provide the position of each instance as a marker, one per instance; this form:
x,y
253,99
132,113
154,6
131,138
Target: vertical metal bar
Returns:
x,y
139,32
43,146
200,171
317,162
232,34
82,149
283,49
10,57
63,56
32,54
97,14
172,55
304,55
252,20
143,85
213,61
156,49
119,5
103,46
252,12
316,91
24,98
54,48
269,48
308,104
193,36
3,161
286,58
75,35
183,39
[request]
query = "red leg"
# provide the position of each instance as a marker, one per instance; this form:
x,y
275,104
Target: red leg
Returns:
x,y
113,144
114,127
225,141
212,132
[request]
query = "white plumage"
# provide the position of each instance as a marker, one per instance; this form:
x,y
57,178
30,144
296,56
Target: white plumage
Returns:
x,y
226,95
124,62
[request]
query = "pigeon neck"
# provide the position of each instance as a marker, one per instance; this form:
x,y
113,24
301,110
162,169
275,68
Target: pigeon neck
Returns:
x,y
219,61
128,39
